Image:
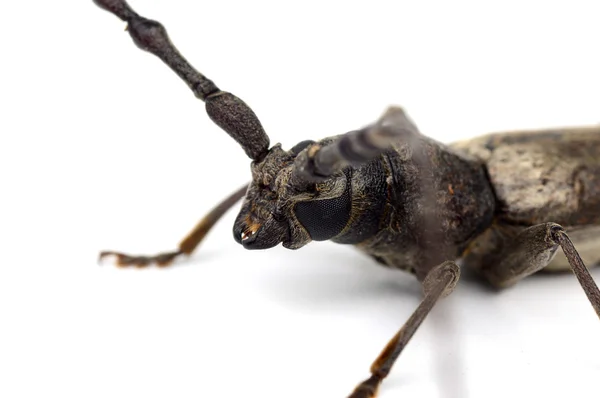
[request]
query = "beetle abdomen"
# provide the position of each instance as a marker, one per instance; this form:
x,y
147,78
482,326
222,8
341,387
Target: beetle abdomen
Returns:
x,y
543,175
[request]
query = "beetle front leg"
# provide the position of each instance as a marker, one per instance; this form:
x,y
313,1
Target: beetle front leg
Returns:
x,y
533,249
438,283
356,147
188,244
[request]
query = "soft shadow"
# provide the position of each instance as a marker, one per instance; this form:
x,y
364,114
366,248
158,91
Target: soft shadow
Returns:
x,y
448,370
330,278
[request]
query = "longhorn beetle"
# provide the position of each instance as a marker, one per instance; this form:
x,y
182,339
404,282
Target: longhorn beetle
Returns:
x,y
502,203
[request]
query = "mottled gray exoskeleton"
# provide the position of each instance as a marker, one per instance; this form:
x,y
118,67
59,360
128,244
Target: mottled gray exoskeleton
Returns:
x,y
501,202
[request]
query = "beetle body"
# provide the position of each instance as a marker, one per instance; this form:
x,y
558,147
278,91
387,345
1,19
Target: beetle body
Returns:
x,y
483,192
381,206
502,202
537,176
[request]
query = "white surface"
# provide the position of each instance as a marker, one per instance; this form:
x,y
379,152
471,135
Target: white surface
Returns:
x,y
103,148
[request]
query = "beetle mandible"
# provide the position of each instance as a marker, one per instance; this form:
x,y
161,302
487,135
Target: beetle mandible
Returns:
x,y
502,203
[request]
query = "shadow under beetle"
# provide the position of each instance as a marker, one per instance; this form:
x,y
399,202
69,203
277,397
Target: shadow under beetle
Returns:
x,y
502,203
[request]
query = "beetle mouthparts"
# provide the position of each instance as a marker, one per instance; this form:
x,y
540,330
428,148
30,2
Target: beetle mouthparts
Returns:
x,y
247,234
249,231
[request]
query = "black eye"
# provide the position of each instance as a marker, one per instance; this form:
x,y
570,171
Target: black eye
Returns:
x,y
300,146
324,219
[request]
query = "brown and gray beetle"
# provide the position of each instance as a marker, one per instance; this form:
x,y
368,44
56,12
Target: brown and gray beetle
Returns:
x,y
501,202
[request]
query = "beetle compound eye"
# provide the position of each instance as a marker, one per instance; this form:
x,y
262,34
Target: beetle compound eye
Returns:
x,y
323,219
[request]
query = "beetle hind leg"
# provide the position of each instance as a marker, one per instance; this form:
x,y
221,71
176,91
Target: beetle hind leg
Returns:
x,y
532,250
438,283
187,245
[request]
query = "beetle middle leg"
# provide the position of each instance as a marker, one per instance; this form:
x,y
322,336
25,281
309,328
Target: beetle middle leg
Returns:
x,y
530,251
438,283
188,244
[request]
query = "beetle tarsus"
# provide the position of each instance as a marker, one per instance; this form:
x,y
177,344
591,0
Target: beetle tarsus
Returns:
x,y
126,260
187,245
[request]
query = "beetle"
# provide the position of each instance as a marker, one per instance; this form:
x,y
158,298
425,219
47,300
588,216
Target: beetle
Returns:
x,y
406,200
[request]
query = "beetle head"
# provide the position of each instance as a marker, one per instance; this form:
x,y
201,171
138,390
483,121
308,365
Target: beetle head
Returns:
x,y
281,207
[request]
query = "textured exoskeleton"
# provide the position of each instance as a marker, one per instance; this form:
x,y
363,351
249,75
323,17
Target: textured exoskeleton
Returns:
x,y
502,202
539,176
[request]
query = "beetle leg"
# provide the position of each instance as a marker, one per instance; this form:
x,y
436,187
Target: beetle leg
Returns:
x,y
188,244
438,283
124,260
533,249
356,147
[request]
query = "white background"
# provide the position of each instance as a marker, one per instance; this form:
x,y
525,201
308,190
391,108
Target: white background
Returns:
x,y
103,148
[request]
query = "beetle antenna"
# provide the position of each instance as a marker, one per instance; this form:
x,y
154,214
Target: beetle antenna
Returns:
x,y
225,109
